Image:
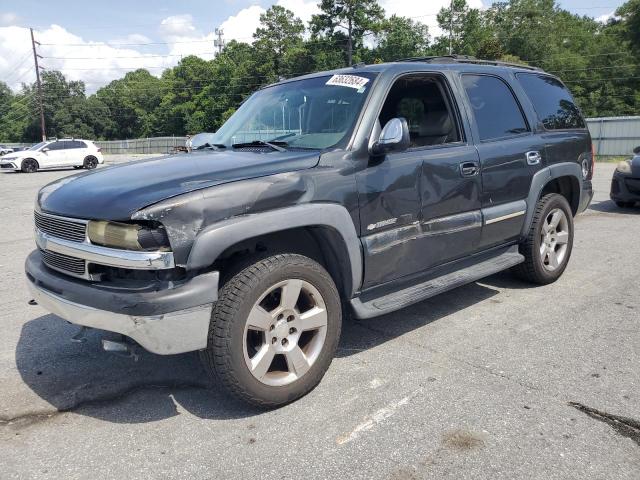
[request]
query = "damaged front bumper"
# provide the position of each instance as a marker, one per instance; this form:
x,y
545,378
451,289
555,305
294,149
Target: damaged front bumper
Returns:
x,y
164,318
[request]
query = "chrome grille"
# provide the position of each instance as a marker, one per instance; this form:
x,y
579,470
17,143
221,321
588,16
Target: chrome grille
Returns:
x,y
61,227
65,263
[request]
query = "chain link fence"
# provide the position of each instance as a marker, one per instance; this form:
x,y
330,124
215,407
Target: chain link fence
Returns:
x,y
142,145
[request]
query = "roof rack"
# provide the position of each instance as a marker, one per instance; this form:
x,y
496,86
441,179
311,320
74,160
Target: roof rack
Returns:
x,y
467,59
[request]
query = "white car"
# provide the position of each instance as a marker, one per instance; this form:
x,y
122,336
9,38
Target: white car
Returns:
x,y
4,150
54,153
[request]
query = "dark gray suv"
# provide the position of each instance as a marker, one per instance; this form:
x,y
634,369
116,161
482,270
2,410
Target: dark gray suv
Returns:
x,y
360,190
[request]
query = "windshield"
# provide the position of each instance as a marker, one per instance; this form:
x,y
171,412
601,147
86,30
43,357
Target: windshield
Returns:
x,y
38,146
316,113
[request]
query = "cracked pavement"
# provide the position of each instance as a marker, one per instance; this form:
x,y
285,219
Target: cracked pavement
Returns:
x,y
493,380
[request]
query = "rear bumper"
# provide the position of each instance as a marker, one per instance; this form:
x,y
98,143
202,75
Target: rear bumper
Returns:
x,y
586,195
624,188
164,317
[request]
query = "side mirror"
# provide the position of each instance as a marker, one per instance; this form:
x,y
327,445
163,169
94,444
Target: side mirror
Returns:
x,y
636,150
393,138
45,149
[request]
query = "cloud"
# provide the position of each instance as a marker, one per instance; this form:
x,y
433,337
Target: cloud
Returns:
x,y
177,25
242,25
96,63
301,9
8,18
606,17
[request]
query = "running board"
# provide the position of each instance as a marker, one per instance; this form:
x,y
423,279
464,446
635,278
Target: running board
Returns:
x,y
417,293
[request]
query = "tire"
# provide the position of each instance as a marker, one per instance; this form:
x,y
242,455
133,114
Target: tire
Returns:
x,y
90,163
547,254
29,165
624,204
257,330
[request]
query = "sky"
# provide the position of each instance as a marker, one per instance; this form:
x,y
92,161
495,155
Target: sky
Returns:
x,y
100,41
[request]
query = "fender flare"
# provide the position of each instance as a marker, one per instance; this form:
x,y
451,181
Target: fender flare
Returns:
x,y
541,179
215,239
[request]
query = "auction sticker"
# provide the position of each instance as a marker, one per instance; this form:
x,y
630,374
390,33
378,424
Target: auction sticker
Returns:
x,y
351,81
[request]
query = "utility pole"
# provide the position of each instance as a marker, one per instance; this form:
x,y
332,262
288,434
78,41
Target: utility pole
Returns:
x,y
35,60
451,29
219,42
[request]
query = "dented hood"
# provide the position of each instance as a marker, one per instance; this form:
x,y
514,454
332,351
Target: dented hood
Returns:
x,y
115,193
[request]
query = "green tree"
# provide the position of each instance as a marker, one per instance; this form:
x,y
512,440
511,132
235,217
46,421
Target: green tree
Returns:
x,y
348,20
466,33
278,39
401,37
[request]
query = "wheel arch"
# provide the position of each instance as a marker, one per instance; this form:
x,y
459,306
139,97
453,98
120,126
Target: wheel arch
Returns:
x,y
29,158
563,178
324,232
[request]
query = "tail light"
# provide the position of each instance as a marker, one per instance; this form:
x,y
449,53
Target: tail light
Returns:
x,y
99,149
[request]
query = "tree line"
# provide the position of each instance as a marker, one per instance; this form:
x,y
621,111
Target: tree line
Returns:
x,y
598,61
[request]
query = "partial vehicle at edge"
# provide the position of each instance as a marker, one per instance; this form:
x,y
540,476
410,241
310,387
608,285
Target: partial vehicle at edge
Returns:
x,y
625,184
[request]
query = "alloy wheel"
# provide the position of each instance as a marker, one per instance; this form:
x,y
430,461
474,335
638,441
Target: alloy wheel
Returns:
x,y
285,332
554,239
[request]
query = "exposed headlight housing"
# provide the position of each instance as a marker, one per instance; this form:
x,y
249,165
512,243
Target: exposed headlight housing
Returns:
x,y
127,236
624,166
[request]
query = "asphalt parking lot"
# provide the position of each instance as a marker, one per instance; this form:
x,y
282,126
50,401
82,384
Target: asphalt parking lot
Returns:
x,y
494,380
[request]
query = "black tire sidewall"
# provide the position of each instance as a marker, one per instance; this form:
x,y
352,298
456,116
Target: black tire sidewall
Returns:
x,y
555,201
90,163
295,267
29,161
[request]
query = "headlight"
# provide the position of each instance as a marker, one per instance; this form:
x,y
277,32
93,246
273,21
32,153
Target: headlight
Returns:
x,y
624,167
127,236
8,158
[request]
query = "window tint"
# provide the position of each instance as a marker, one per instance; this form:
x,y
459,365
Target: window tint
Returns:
x,y
552,101
422,101
56,146
75,144
495,109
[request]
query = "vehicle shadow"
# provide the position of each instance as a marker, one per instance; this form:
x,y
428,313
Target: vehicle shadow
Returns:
x,y
359,335
82,378
609,206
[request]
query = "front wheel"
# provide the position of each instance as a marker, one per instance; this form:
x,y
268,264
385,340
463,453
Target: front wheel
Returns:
x,y
29,165
274,330
548,245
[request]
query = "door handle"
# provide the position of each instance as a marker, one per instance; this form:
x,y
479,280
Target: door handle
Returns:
x,y
533,158
469,169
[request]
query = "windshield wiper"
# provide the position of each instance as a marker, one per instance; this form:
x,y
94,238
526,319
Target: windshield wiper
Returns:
x,y
276,145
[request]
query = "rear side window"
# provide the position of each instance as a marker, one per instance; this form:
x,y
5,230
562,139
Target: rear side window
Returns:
x,y
76,144
495,109
552,101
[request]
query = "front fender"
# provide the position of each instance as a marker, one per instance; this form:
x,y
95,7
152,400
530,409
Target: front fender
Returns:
x,y
215,239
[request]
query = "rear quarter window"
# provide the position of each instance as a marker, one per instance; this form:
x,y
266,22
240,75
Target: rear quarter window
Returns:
x,y
552,102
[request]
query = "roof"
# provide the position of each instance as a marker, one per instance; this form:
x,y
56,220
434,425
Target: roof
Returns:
x,y
445,62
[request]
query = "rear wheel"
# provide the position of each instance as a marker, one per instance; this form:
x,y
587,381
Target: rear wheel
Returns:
x,y
548,245
274,330
90,163
29,165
